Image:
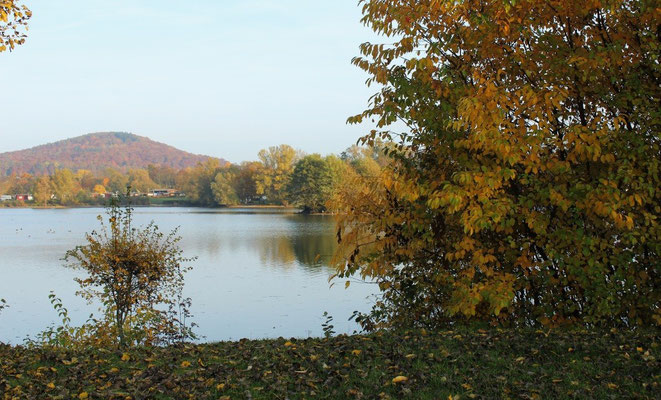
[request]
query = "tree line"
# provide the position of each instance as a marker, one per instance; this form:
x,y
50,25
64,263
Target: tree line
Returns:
x,y
282,175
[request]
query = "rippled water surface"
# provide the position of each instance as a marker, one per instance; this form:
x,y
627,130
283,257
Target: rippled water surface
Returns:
x,y
259,272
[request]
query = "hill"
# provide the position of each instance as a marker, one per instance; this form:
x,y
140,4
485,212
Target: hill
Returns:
x,y
95,152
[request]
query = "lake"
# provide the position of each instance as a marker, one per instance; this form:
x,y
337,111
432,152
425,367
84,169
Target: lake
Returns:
x,y
260,273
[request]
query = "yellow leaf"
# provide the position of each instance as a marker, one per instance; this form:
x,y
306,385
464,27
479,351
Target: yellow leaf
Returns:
x,y
185,364
220,386
125,357
51,385
288,344
399,378
356,352
83,395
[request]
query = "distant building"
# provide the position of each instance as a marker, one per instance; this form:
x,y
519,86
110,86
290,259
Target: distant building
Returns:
x,y
24,197
6,197
163,193
105,195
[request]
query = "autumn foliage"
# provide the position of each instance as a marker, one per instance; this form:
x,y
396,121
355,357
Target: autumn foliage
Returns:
x,y
13,24
466,364
137,274
96,152
525,187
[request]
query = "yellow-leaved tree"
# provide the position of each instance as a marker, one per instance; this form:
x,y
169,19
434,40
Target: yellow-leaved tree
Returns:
x,y
13,24
526,186
138,276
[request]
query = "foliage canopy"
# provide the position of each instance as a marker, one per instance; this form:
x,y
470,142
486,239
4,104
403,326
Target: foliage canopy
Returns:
x,y
311,183
526,187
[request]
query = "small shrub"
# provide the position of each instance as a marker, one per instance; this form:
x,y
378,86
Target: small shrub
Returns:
x,y
138,276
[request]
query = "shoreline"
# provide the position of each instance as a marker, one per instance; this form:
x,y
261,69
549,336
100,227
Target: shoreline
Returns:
x,y
295,210
250,206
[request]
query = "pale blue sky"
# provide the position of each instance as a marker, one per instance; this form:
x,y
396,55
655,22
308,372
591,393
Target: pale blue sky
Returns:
x,y
218,77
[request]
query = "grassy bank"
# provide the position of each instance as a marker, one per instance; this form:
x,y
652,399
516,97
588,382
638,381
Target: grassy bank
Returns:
x,y
418,365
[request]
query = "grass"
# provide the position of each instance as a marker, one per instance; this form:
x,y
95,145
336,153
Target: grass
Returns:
x,y
440,365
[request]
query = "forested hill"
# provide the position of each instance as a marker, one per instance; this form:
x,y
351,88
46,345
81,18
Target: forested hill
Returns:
x,y
95,152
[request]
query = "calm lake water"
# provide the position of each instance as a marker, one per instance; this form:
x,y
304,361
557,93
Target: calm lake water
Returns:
x,y
257,274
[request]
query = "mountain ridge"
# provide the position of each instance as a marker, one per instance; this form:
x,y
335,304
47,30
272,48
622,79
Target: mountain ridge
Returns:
x,y
96,152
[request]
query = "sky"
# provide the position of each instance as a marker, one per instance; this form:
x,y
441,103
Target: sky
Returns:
x,y
223,78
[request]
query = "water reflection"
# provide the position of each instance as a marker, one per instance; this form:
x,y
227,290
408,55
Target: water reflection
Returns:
x,y
315,243
289,241
259,273
275,251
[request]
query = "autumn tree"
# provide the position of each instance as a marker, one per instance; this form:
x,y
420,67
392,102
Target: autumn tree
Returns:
x,y
244,182
99,189
366,160
137,273
140,180
162,175
86,179
277,165
13,24
116,180
21,184
64,185
42,190
222,188
525,187
311,184
197,183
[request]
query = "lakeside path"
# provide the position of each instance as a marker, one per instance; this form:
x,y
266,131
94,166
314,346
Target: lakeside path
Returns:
x,y
418,365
